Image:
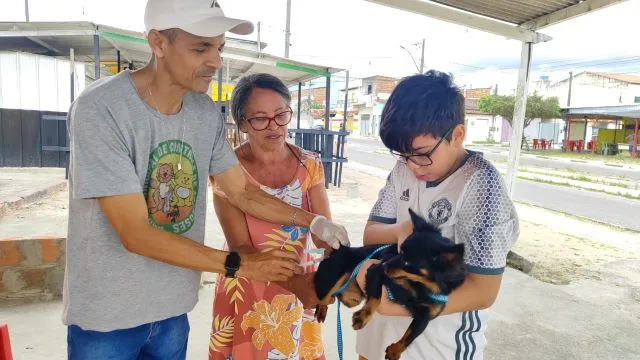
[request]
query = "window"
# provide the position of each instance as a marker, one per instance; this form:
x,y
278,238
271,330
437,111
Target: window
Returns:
x,y
369,89
636,100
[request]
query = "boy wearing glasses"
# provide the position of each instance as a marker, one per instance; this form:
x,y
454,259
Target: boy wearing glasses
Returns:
x,y
453,188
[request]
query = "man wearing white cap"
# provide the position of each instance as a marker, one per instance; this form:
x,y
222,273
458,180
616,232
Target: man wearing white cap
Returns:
x,y
143,145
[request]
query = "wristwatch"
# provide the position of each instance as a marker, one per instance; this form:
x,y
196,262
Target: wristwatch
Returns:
x,y
232,264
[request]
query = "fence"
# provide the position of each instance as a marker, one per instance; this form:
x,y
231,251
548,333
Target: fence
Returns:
x,y
31,138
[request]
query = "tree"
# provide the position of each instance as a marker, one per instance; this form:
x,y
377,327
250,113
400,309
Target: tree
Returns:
x,y
538,107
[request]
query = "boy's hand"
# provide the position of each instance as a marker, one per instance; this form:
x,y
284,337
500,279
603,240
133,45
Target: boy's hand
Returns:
x,y
405,229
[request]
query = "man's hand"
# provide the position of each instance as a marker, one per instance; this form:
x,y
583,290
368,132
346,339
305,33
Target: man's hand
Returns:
x,y
275,265
303,287
329,232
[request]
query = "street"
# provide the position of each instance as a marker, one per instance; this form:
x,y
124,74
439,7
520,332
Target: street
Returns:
x,y
587,204
501,154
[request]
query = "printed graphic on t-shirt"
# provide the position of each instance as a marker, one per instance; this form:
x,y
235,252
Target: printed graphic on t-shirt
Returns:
x,y
440,211
171,186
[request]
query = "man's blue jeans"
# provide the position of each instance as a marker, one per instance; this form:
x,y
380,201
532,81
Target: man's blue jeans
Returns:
x,y
161,340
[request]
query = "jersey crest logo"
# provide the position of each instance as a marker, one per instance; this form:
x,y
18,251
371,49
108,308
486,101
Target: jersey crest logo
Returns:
x,y
440,211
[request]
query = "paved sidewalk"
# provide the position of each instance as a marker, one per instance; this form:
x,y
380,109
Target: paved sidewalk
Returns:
x,y
17,185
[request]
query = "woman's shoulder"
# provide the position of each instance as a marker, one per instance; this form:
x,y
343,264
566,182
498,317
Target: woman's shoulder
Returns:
x,y
305,154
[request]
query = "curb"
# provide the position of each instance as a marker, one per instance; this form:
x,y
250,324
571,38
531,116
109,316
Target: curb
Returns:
x,y
519,262
614,165
13,205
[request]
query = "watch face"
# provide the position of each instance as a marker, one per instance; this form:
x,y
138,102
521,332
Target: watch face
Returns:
x,y
232,261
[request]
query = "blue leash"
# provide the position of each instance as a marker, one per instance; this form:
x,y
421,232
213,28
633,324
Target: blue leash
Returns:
x,y
344,287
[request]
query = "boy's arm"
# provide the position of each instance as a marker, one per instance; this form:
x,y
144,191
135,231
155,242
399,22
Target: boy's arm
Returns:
x,y
476,293
382,227
488,225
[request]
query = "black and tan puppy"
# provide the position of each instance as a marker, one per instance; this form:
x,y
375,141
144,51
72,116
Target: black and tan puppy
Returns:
x,y
428,267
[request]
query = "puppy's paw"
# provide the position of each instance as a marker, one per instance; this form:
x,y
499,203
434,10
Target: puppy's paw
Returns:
x,y
394,351
321,313
361,318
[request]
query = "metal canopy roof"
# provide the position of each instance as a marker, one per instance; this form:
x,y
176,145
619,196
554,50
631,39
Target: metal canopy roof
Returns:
x,y
610,112
513,19
57,38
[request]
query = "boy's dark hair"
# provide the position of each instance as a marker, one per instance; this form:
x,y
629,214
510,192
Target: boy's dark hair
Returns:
x,y
242,91
424,104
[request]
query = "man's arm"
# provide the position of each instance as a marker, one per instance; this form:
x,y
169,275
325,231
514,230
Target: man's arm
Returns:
x,y
234,226
141,238
257,203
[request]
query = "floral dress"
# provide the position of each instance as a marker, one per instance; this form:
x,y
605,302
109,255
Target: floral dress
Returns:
x,y
258,320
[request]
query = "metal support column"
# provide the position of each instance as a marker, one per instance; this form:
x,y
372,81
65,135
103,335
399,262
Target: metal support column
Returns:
x,y
72,69
518,116
219,102
299,103
328,139
118,60
96,55
634,152
346,101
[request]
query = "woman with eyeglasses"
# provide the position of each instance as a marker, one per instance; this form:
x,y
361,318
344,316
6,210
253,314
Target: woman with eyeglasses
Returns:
x,y
257,320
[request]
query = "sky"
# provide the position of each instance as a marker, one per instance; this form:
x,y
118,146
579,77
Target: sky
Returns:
x,y
366,38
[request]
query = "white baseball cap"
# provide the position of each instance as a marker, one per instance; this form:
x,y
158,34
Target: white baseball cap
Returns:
x,y
199,17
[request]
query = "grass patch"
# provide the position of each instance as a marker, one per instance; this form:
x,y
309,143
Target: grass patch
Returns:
x,y
582,178
620,158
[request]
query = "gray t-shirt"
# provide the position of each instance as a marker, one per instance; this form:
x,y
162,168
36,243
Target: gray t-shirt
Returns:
x,y
120,145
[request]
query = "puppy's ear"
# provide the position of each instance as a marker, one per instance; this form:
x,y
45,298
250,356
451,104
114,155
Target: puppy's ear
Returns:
x,y
418,222
453,255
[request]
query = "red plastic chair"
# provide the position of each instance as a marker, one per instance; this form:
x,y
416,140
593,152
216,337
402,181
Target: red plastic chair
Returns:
x,y
543,144
5,343
535,143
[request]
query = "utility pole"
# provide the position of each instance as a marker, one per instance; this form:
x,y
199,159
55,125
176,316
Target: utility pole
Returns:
x,y
26,10
287,31
568,128
259,45
422,59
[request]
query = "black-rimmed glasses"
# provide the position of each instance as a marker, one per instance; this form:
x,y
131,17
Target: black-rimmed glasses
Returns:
x,y
423,159
260,123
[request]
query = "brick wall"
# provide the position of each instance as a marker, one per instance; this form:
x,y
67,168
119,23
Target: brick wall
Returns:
x,y
319,95
31,269
385,84
476,93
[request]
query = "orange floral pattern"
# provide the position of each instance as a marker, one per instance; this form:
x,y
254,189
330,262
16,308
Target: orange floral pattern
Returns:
x,y
271,322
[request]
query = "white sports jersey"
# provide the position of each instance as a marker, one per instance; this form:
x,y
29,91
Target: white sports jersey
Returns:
x,y
471,206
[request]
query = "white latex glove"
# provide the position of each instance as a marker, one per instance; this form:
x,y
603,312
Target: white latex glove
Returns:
x,y
329,232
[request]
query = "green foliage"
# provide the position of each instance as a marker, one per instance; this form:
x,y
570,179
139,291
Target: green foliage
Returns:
x,y
538,107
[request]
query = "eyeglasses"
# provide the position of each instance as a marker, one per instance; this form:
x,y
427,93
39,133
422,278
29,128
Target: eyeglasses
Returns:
x,y
423,159
260,123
